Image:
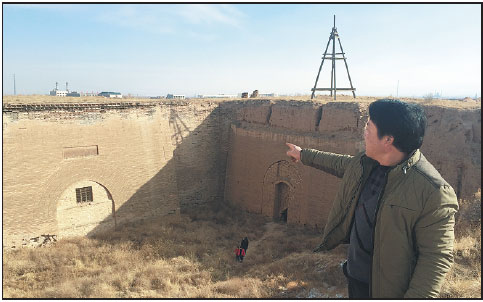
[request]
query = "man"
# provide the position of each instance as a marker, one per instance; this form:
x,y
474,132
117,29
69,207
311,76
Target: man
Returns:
x,y
393,208
244,247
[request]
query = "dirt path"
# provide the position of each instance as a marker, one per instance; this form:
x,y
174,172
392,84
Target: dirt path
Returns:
x,y
271,229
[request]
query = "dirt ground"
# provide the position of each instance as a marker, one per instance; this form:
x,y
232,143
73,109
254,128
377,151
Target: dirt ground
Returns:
x,y
44,99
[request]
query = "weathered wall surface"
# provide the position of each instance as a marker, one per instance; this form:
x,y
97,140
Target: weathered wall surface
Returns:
x,y
150,159
453,145
257,162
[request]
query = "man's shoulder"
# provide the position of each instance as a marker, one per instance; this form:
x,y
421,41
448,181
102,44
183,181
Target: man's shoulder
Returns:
x,y
360,155
429,174
423,183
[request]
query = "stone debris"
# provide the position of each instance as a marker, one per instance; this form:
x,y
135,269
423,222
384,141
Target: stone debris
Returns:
x,y
41,240
314,293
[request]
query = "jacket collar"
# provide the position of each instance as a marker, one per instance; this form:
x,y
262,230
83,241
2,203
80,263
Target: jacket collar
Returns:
x,y
403,166
409,162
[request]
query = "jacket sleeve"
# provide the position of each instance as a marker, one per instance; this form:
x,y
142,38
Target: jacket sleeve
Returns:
x,y
332,163
434,232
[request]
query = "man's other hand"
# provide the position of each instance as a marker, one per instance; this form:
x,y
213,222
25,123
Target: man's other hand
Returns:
x,y
294,152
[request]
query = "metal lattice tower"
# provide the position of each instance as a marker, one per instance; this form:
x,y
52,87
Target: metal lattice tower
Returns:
x,y
332,56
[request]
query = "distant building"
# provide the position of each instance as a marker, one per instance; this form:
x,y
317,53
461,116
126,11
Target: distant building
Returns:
x,y
175,96
216,96
254,94
267,94
73,93
66,92
57,92
92,93
110,94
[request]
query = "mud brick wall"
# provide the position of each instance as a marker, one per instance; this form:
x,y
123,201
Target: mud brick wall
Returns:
x,y
149,159
453,145
157,158
257,164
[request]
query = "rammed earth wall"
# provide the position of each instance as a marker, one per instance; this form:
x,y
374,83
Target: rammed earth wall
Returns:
x,y
257,163
150,159
156,158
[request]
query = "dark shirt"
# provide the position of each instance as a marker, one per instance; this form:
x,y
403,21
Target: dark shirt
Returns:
x,y
244,244
359,259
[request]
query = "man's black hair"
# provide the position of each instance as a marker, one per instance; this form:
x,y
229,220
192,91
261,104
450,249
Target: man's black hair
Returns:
x,y
405,122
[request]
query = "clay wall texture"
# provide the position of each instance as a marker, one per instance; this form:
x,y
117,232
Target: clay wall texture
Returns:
x,y
152,159
257,161
147,159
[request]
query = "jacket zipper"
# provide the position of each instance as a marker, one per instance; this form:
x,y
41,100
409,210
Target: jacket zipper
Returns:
x,y
374,230
342,219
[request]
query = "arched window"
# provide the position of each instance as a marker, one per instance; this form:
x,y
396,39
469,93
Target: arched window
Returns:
x,y
84,207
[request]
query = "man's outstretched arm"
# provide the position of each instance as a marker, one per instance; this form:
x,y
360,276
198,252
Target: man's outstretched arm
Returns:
x,y
332,163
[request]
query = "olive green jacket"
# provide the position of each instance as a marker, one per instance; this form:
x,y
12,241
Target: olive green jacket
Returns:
x,y
414,229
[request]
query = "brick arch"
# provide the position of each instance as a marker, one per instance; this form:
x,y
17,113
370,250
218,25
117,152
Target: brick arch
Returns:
x,y
70,174
281,172
80,219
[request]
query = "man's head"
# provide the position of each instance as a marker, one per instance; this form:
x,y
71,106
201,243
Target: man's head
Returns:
x,y
393,123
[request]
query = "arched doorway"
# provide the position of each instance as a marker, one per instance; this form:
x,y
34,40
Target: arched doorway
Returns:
x,y
281,202
84,207
281,185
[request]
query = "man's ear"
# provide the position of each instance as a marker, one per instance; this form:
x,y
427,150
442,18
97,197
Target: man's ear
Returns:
x,y
388,140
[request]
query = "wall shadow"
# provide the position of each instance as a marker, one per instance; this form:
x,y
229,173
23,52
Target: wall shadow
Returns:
x,y
194,175
190,183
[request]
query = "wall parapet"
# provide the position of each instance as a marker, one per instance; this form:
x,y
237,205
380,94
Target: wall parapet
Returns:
x,y
9,107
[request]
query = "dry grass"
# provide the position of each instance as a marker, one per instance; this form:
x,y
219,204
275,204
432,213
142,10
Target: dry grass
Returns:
x,y
464,278
192,256
185,256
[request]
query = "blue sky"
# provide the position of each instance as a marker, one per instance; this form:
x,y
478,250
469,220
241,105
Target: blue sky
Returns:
x,y
156,49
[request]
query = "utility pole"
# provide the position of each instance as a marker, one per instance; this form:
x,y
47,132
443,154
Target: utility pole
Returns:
x,y
397,90
14,86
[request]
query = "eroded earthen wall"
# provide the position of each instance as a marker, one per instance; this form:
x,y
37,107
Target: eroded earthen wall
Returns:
x,y
151,159
157,158
257,161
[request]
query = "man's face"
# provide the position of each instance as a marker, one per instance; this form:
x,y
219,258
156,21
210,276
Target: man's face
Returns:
x,y
374,145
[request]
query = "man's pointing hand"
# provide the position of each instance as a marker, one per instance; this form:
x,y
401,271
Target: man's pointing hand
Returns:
x,y
294,152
